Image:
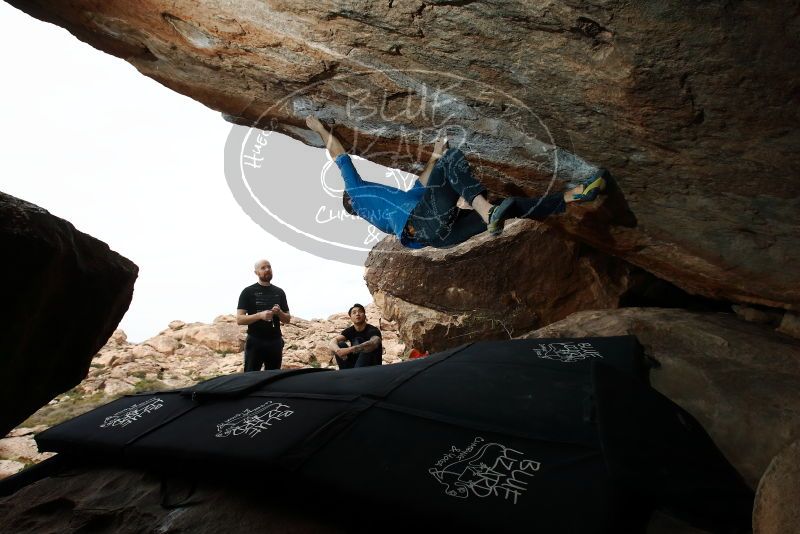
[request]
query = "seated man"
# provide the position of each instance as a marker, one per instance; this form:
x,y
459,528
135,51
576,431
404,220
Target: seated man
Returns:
x,y
365,342
427,214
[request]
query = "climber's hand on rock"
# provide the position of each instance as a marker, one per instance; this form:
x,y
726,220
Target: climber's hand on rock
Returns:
x,y
439,147
314,123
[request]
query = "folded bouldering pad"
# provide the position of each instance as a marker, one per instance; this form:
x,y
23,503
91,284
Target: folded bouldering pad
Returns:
x,y
546,435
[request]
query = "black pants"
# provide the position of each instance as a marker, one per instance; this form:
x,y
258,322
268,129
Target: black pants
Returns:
x,y
360,359
266,352
437,220
538,208
439,223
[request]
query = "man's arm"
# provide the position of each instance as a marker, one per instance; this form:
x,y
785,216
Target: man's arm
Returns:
x,y
336,349
438,152
368,346
243,319
334,146
285,317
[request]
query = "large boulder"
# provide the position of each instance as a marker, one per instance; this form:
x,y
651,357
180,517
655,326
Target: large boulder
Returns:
x,y
494,288
693,106
163,344
223,337
740,380
64,293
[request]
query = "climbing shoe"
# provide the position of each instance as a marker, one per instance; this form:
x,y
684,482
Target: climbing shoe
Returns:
x,y
593,186
497,216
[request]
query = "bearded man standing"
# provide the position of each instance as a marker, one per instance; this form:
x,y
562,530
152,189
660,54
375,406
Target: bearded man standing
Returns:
x,y
263,307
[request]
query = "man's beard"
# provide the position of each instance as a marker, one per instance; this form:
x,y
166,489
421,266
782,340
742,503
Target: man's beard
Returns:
x,y
266,279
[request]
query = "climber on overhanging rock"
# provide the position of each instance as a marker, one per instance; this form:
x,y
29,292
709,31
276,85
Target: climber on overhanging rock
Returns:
x,y
427,214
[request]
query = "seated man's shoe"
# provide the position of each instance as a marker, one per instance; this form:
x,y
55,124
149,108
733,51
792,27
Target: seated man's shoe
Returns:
x,y
497,216
593,186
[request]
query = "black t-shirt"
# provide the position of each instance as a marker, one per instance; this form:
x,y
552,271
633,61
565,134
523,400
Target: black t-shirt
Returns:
x,y
257,298
357,338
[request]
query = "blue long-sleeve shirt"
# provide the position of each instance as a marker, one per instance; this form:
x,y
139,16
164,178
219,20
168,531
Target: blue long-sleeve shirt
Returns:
x,y
385,207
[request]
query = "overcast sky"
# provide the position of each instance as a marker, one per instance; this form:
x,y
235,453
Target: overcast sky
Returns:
x,y
140,167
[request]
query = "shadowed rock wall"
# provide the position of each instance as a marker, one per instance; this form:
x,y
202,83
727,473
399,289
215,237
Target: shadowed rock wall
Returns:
x,y
739,380
64,293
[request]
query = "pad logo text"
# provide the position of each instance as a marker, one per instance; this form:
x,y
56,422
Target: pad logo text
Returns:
x,y
133,413
484,470
566,352
250,423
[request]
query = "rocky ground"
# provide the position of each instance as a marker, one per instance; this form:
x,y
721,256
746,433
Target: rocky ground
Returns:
x,y
181,355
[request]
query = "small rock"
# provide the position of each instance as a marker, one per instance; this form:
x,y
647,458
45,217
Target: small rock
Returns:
x,y
19,447
194,351
323,355
26,431
112,387
754,315
105,357
119,337
141,351
10,467
776,510
790,325
163,344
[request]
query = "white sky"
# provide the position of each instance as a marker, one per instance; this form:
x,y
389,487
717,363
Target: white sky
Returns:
x,y
140,167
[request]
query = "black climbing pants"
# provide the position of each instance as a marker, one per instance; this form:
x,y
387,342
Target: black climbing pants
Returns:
x,y
266,352
439,222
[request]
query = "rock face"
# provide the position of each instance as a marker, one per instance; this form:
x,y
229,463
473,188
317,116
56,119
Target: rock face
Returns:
x,y
123,501
64,292
18,449
493,287
775,510
738,379
662,93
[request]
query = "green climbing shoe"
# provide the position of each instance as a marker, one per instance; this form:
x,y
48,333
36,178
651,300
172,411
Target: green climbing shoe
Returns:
x,y
497,216
593,186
